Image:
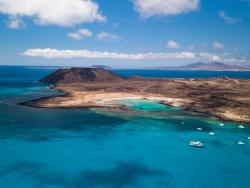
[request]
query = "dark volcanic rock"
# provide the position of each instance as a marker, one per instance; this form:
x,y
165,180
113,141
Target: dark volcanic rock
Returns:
x,y
81,75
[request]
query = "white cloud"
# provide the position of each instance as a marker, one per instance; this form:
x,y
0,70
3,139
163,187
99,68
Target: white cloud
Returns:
x,y
148,8
108,36
171,44
226,18
209,56
50,53
58,12
218,45
15,23
55,53
80,34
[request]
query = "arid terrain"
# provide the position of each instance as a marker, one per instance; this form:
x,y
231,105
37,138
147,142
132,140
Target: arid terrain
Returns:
x,y
225,98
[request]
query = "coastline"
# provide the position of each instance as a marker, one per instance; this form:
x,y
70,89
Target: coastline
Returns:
x,y
101,102
226,98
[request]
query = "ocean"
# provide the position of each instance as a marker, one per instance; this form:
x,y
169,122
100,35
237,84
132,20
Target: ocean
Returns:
x,y
184,74
146,148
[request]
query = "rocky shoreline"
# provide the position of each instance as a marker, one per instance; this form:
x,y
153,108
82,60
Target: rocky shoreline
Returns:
x,y
224,98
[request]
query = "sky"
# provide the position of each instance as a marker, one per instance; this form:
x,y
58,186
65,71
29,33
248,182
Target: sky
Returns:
x,y
124,33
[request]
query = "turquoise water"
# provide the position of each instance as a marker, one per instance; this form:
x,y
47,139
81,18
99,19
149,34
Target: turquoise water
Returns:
x,y
147,147
147,105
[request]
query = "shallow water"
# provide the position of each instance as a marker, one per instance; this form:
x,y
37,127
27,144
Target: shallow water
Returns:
x,y
147,105
144,148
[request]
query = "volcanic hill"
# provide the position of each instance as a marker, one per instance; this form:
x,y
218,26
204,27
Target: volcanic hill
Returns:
x,y
226,98
81,75
210,66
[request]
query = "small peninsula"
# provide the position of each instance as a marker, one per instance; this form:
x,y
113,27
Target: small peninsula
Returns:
x,y
225,98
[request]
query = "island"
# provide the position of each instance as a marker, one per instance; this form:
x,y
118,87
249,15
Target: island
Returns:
x,y
209,66
225,98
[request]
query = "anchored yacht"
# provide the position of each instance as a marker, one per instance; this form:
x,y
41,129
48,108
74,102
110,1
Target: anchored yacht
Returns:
x,y
197,144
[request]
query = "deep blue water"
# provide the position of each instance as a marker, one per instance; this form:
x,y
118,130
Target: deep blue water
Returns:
x,y
44,148
183,74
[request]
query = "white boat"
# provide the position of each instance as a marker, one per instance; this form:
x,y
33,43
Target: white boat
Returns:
x,y
211,133
197,144
199,129
51,86
241,127
241,143
221,124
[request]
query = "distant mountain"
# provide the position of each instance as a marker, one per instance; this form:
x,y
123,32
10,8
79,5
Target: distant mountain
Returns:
x,y
211,66
81,75
101,66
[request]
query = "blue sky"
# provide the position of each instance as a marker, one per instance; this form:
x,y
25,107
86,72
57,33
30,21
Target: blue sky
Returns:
x,y
124,33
